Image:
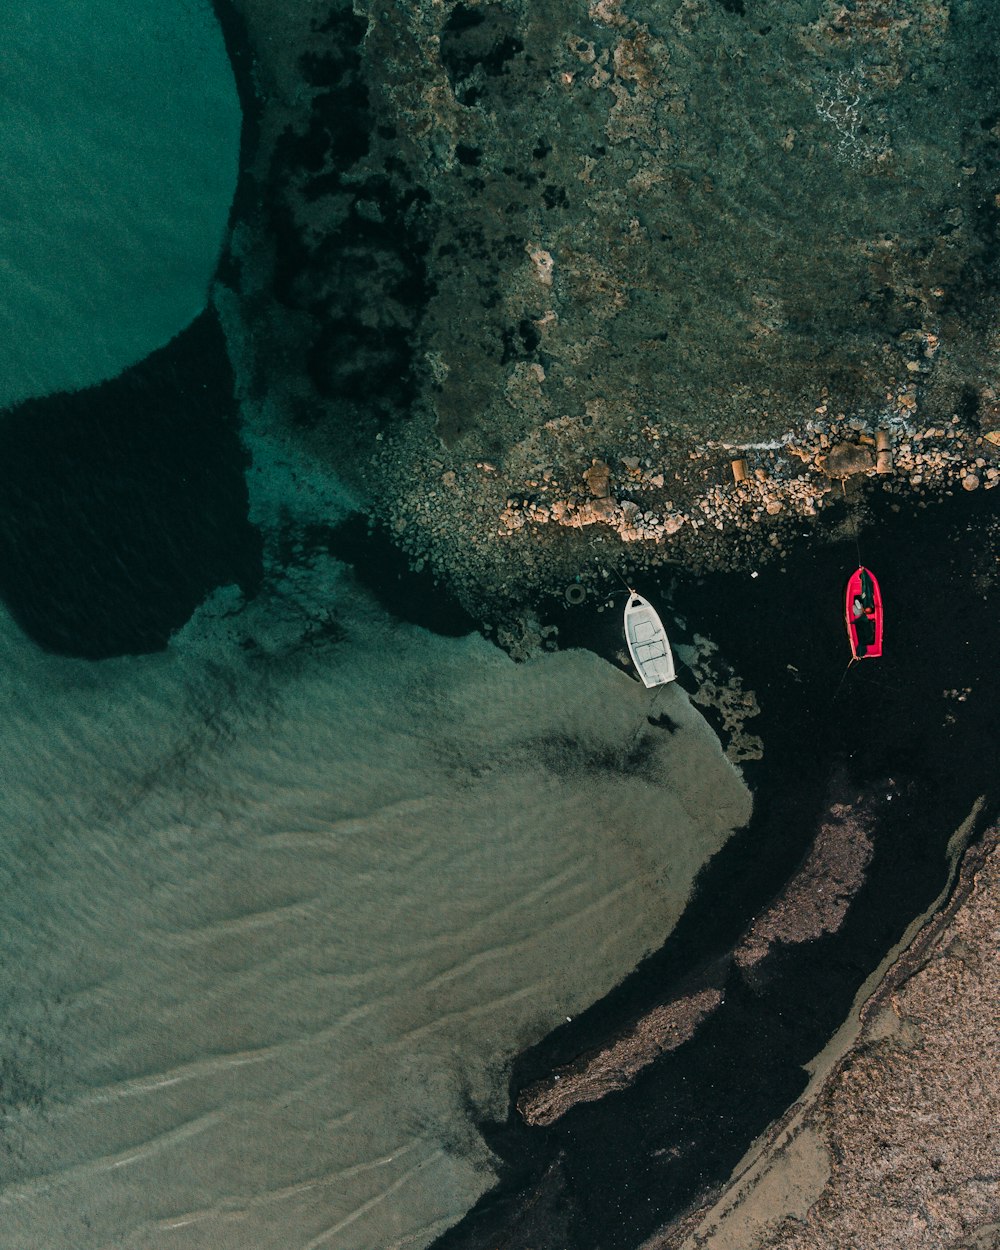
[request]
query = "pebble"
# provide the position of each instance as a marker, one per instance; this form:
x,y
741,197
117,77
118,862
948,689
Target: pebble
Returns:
x,y
923,465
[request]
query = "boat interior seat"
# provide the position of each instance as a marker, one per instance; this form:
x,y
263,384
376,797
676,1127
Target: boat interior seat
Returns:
x,y
650,650
643,630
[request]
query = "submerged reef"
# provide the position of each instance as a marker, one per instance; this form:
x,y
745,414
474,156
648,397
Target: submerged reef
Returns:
x,y
531,275
815,901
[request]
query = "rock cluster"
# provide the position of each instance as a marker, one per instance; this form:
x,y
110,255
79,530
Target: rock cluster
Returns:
x,y
816,900
793,478
549,513
592,1076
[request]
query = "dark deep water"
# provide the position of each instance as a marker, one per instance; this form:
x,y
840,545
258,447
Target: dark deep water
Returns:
x,y
608,1174
123,505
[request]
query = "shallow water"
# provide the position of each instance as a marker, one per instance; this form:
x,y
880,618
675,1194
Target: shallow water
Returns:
x,y
283,900
274,916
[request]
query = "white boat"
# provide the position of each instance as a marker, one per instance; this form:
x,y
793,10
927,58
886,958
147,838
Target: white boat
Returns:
x,y
647,642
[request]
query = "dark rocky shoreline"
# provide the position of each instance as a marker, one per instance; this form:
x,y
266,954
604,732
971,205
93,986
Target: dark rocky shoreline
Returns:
x,y
609,1174
497,243
894,1142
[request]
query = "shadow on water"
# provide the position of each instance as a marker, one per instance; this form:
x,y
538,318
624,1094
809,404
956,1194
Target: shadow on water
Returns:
x,y
916,733
386,572
123,505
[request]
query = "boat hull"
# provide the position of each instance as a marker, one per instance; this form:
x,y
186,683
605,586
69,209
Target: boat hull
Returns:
x,y
647,642
865,629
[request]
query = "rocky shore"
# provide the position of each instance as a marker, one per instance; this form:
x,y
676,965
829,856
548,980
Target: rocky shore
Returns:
x,y
791,480
531,278
813,903
897,1145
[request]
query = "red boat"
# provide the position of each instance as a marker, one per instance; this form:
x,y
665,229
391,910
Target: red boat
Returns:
x,y
863,611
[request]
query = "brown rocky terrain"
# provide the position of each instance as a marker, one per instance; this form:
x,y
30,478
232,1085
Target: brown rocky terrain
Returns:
x,y
816,899
535,274
897,1145
663,1029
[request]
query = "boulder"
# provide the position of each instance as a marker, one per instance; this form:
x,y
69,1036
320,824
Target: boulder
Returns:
x,y
846,459
602,507
598,479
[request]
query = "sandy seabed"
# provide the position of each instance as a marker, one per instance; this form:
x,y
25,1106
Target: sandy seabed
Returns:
x,y
278,913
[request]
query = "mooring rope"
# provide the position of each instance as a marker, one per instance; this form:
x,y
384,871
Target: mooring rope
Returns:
x,y
850,663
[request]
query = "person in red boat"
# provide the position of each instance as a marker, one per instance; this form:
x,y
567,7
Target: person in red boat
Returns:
x,y
863,620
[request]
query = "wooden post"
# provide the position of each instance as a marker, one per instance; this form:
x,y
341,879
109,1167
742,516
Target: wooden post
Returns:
x,y
883,452
739,470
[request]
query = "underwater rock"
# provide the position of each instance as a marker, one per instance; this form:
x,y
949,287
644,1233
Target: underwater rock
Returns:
x,y
592,1076
846,459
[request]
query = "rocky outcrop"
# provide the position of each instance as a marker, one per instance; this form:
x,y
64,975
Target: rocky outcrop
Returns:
x,y
536,237
816,900
846,459
591,1077
897,1146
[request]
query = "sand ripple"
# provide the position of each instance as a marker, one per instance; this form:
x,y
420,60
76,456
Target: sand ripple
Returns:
x,y
269,930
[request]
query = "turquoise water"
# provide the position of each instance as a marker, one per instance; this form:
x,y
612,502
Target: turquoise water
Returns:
x,y
120,127
280,902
